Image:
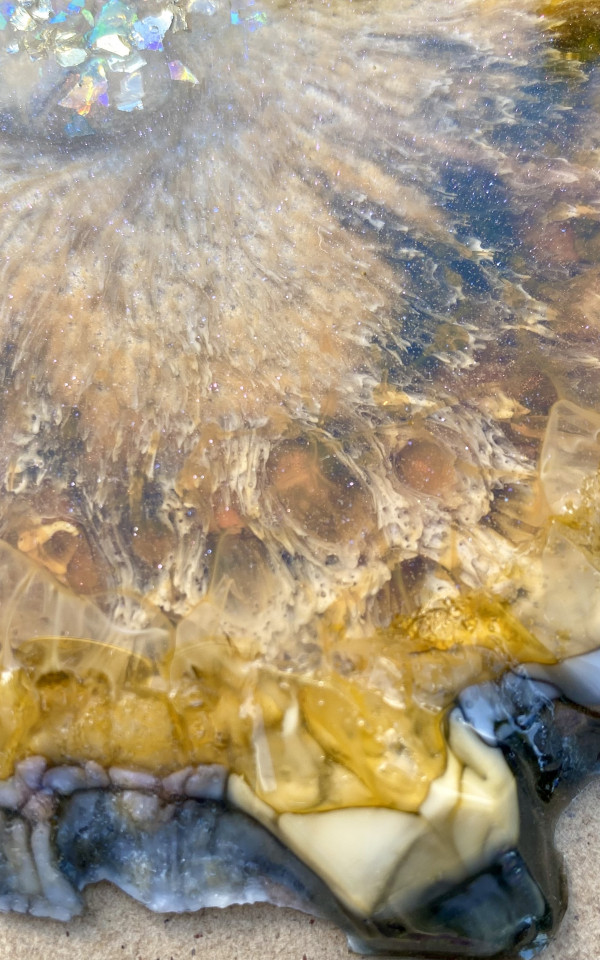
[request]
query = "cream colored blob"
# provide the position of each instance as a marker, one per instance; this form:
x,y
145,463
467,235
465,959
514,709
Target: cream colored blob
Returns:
x,y
380,861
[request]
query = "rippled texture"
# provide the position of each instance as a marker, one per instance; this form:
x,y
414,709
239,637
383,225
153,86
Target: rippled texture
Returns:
x,y
299,453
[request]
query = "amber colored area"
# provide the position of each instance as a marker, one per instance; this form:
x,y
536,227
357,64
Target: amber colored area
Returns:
x,y
575,28
363,729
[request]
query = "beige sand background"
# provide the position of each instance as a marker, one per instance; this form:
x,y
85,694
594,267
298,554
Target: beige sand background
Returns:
x,y
116,928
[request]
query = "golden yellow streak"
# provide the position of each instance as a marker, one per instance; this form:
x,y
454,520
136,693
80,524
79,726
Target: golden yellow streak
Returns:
x,y
303,742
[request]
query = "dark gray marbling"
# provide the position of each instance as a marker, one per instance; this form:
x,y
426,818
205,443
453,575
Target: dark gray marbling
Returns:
x,y
173,853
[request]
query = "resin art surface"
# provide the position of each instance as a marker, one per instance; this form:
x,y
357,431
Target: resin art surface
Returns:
x,y
300,459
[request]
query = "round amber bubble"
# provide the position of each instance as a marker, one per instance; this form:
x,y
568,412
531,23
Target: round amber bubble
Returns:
x,y
318,491
425,466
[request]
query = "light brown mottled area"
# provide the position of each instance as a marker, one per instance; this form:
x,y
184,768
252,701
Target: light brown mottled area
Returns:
x,y
116,928
218,296
233,406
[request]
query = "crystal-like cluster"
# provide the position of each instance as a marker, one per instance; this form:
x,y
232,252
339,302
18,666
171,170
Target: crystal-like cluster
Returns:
x,y
299,460
111,55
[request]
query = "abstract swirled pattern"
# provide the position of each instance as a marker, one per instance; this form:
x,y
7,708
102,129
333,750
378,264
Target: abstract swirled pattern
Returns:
x,y
300,458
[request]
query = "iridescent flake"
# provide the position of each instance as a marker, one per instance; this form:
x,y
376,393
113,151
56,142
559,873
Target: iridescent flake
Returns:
x,y
129,64
21,20
112,28
131,92
148,33
252,19
180,72
206,7
63,11
42,11
78,127
70,56
91,88
100,40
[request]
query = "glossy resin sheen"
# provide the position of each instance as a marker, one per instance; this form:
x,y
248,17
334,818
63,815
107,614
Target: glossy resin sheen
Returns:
x,y
300,459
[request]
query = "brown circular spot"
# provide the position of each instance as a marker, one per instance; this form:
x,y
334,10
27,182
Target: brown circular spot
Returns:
x,y
425,466
242,575
318,492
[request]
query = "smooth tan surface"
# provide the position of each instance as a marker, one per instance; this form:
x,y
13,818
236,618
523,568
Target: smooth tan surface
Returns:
x,y
578,838
116,928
